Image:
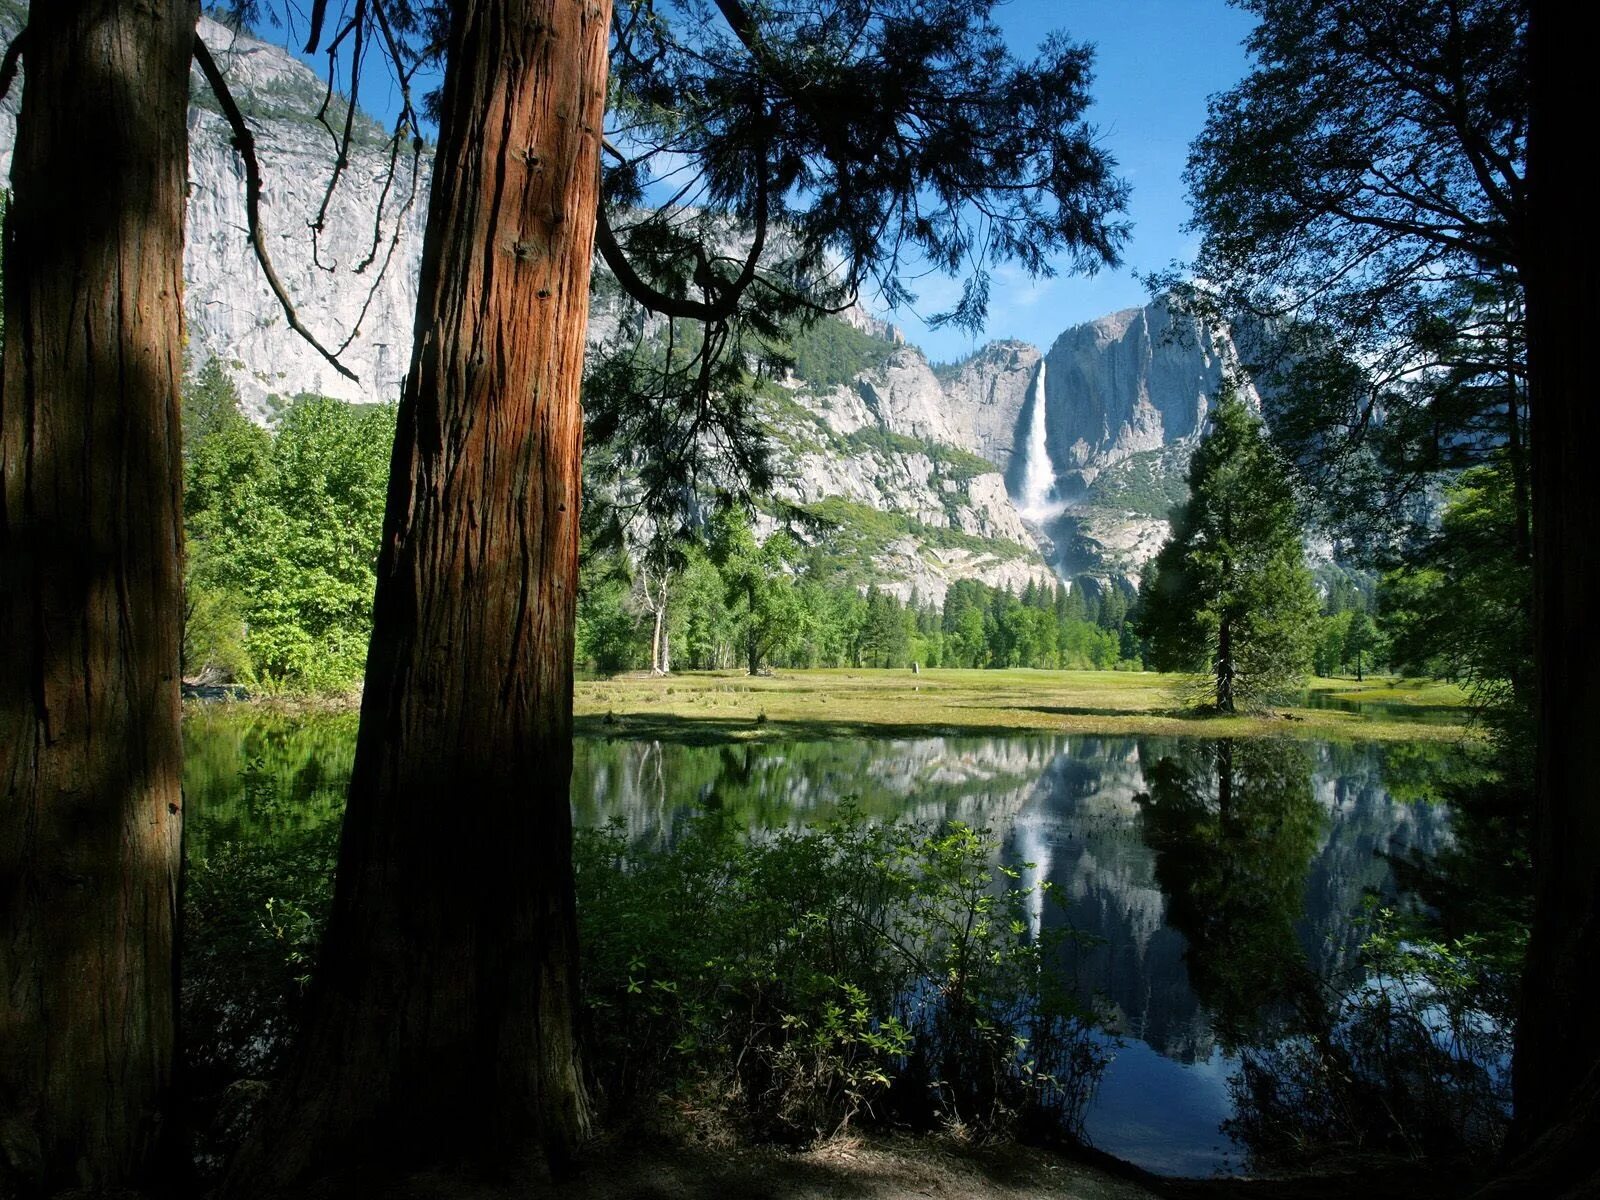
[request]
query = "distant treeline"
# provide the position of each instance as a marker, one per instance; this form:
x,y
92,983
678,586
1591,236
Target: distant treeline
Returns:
x,y
283,527
729,597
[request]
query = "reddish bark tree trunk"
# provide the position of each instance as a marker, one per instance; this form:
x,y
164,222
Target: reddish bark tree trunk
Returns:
x,y
1558,1036
91,548
442,1018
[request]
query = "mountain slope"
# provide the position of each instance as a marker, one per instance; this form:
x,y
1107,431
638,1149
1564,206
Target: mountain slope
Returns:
x,y
1014,465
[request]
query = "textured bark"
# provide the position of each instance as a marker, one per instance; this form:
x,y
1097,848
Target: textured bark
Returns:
x,y
1558,1036
91,593
442,1019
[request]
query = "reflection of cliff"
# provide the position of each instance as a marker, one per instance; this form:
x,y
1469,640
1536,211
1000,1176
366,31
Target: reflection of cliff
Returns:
x,y
1065,805
1081,828
1367,822
1083,831
651,787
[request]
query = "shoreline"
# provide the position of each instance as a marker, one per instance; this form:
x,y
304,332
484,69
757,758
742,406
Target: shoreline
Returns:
x,y
706,707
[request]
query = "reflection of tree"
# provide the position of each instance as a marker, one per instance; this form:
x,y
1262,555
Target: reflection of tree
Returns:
x,y
1234,826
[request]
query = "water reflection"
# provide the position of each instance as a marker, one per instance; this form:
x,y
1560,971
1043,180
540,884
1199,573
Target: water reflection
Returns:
x,y
1211,878
1234,826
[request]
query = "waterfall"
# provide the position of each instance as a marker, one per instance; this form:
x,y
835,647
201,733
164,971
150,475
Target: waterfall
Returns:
x,y
1033,844
1038,473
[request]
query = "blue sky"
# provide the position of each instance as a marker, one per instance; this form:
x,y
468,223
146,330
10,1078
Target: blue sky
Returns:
x,y
1156,62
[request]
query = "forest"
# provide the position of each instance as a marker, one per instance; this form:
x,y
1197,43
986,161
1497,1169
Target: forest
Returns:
x,y
1266,862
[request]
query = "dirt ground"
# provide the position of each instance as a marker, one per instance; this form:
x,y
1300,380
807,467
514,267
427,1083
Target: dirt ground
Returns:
x,y
882,1168
650,1166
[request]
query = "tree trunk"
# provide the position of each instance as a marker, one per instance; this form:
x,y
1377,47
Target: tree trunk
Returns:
x,y
1225,665
1558,1038
441,1023
660,635
91,550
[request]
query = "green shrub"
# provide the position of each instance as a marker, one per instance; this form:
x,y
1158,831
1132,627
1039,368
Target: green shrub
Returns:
x,y
1413,1062
810,979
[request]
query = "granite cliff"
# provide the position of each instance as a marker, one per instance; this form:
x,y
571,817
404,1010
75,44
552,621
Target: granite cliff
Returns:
x,y
1015,464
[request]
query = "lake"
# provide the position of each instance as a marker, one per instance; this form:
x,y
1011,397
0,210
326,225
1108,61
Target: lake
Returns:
x,y
1203,880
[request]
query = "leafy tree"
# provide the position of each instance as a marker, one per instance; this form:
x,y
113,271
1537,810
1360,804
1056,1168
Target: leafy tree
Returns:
x,y
709,630
226,456
1362,200
1328,656
607,633
289,527
761,592
1360,639
1229,593
886,636
1457,607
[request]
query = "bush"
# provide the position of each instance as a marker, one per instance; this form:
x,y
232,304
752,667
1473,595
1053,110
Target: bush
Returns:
x,y
810,979
1415,1062
791,984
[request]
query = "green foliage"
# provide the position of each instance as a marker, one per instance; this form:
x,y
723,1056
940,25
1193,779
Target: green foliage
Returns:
x,y
1362,643
886,635
815,978
1460,607
283,532
1229,593
225,458
704,628
1327,654
761,595
1147,484
829,353
609,635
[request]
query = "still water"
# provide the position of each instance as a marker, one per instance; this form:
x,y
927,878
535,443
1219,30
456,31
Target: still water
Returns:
x,y
1202,878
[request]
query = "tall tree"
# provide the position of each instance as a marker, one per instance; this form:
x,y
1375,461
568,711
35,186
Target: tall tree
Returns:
x,y
443,1015
442,1018
1412,161
1229,593
1556,1071
91,579
1362,192
761,591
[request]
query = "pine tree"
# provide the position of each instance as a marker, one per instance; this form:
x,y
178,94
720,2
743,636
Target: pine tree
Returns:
x,y
1229,593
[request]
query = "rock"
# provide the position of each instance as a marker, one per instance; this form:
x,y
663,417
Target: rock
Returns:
x,y
1125,393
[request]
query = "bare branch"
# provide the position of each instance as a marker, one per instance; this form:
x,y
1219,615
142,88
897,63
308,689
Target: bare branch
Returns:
x,y
245,143
319,11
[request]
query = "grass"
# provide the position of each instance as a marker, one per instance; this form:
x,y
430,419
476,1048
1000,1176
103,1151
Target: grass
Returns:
x,y
1430,693
716,706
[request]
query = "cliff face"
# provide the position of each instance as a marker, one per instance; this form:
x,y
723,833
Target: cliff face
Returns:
x,y
1013,465
338,293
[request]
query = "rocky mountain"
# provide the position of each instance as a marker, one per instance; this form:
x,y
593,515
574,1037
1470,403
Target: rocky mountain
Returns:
x,y
1016,464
